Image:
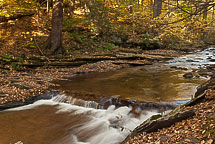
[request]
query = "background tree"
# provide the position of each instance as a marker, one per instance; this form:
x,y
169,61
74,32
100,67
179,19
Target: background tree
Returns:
x,y
157,8
54,43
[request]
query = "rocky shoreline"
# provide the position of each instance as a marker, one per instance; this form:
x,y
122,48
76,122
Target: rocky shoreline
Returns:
x,y
196,125
186,112
19,88
26,86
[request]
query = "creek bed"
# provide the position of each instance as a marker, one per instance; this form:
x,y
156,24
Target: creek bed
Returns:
x,y
102,108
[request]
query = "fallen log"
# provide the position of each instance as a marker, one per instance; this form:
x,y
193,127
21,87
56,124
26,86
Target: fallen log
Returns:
x,y
16,16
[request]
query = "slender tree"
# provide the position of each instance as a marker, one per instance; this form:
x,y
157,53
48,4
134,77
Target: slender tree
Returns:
x,y
72,7
54,43
205,11
157,8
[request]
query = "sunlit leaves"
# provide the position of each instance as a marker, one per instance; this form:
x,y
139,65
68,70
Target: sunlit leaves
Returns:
x,y
10,7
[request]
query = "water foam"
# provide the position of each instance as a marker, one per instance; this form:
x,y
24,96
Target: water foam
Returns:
x,y
109,126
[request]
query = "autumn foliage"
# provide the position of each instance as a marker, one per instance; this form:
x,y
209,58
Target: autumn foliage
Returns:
x,y
107,24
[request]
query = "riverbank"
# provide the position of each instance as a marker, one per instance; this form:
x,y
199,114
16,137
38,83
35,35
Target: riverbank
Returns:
x,y
26,86
198,129
21,87
18,87
25,72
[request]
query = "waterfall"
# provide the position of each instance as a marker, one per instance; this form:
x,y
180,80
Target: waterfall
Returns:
x,y
84,125
75,101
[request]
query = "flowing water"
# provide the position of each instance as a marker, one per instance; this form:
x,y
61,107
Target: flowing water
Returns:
x,y
102,108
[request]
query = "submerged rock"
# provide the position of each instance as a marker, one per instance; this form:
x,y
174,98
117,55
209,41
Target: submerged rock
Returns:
x,y
188,75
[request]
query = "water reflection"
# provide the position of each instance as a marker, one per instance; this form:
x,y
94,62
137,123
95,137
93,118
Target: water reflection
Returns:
x,y
148,83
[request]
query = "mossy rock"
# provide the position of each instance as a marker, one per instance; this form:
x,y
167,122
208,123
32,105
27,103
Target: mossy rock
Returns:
x,y
154,117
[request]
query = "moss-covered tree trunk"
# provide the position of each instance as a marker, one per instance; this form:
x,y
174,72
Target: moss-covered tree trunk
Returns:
x,y
54,43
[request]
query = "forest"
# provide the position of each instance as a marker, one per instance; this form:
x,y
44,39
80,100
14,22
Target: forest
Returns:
x,y
107,71
73,26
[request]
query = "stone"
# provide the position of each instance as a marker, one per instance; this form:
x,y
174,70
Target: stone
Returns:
x,y
201,89
151,125
188,75
212,60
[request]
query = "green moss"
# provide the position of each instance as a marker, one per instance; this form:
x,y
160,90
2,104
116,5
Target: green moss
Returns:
x,y
155,117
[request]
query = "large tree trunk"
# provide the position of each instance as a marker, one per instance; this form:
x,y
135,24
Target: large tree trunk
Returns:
x,y
55,40
157,8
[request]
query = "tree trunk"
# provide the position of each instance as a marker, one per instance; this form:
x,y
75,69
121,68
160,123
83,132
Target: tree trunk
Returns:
x,y
157,8
205,12
49,4
55,40
213,16
72,7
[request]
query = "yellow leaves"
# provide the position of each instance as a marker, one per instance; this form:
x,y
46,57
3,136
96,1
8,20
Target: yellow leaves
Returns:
x,y
120,19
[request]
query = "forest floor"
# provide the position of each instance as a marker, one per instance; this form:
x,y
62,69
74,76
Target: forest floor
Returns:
x,y
17,86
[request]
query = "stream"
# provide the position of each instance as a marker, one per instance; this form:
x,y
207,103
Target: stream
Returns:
x,y
103,108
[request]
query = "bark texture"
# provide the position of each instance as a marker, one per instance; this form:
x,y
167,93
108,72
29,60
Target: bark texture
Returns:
x,y
55,39
157,8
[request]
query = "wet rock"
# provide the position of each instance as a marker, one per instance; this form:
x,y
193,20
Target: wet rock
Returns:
x,y
151,125
189,60
201,89
206,74
196,75
211,68
188,75
210,57
179,68
196,100
212,60
183,68
174,67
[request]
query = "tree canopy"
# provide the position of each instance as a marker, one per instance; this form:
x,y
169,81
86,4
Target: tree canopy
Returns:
x,y
106,24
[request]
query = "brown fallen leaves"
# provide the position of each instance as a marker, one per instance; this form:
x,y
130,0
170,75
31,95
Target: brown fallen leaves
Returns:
x,y
199,129
20,85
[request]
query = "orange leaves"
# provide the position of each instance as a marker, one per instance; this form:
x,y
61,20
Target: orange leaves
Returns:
x,y
199,129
